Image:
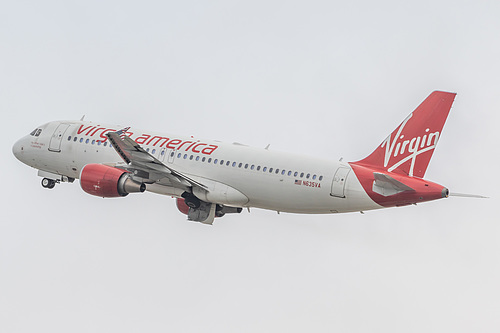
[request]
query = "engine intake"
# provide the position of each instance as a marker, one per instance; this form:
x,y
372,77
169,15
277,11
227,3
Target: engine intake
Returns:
x,y
108,182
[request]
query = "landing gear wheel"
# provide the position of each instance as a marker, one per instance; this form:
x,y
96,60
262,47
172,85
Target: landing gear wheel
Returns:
x,y
218,211
48,183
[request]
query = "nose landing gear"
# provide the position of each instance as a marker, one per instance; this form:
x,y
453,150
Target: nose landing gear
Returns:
x,y
49,179
48,183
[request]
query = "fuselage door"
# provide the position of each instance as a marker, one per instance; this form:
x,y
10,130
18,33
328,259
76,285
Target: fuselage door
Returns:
x,y
56,139
338,183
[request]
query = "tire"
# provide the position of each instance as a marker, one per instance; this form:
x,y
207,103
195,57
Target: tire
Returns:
x,y
48,183
45,183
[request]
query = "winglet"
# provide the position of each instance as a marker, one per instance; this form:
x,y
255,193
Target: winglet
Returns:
x,y
122,132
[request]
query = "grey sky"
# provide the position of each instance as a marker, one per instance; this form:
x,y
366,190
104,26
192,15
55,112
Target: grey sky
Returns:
x,y
319,77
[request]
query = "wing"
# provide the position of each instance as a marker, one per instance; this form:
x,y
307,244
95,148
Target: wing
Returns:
x,y
145,167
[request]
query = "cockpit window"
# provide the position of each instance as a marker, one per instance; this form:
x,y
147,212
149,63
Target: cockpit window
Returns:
x,y
36,132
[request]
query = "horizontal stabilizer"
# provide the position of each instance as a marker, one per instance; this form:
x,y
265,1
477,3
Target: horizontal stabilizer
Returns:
x,y
464,195
386,185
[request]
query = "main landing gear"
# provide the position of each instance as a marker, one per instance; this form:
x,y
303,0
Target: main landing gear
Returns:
x,y
191,200
48,183
201,211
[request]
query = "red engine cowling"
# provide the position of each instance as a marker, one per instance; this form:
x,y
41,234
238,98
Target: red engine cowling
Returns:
x,y
181,206
108,182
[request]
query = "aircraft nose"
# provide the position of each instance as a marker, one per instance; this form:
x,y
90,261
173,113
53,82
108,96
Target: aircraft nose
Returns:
x,y
18,149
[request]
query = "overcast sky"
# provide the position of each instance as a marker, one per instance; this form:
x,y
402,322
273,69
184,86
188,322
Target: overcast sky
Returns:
x,y
323,78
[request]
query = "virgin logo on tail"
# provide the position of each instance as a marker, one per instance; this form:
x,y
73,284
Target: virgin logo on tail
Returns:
x,y
400,149
409,148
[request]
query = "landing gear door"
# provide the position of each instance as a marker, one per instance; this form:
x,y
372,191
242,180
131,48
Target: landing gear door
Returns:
x,y
56,139
338,183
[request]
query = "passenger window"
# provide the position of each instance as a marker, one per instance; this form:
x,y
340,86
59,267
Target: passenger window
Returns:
x,y
210,160
246,166
81,140
289,173
69,138
191,157
308,175
239,165
147,149
162,153
215,161
295,174
87,141
98,142
197,158
301,174
314,176
270,170
234,164
74,139
258,168
203,159
277,171
227,163
320,177
153,152
185,156
179,155
264,169
252,167
105,143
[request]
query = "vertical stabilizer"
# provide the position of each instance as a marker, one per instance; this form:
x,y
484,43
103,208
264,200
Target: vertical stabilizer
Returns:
x,y
409,148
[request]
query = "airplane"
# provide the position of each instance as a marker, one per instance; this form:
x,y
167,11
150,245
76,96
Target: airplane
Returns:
x,y
210,178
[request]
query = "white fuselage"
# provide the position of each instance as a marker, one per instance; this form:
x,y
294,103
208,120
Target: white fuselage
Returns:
x,y
271,180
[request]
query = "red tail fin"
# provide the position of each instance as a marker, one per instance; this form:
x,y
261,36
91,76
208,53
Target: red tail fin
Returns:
x,y
409,148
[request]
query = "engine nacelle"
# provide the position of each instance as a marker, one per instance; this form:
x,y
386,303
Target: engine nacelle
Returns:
x,y
108,182
181,206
